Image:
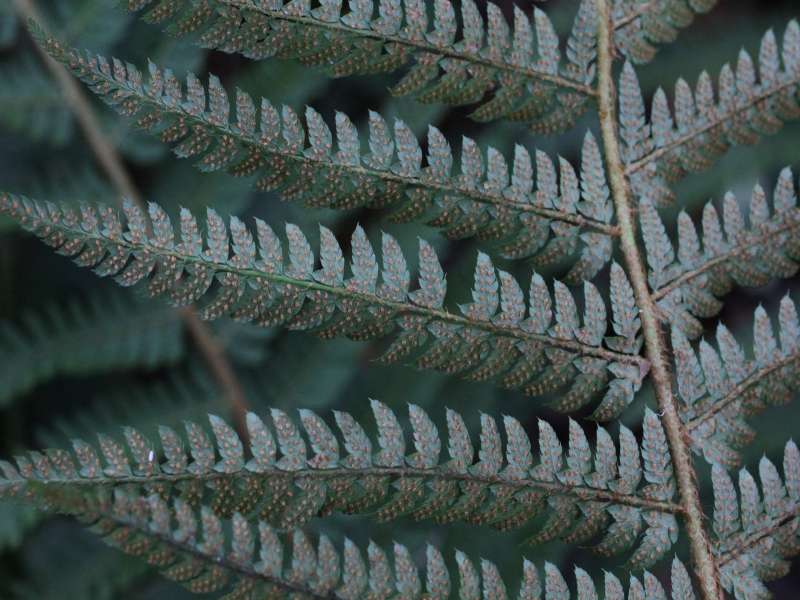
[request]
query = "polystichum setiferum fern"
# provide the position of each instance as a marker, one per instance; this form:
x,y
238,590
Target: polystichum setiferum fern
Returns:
x,y
219,508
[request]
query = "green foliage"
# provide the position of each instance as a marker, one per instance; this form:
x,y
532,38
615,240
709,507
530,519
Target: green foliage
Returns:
x,y
106,333
31,103
15,521
58,556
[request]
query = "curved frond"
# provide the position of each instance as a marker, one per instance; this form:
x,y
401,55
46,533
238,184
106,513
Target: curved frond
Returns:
x,y
688,283
757,532
226,272
750,101
519,75
491,197
106,332
621,497
640,25
720,388
253,560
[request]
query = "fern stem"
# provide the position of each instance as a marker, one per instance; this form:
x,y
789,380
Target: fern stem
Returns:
x,y
111,162
705,566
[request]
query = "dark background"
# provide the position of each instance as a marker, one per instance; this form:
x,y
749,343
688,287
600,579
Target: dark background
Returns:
x,y
77,369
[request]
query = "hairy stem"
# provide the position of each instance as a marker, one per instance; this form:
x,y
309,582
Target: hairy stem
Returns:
x,y
112,164
705,566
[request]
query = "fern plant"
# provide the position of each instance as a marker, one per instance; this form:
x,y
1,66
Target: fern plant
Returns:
x,y
602,309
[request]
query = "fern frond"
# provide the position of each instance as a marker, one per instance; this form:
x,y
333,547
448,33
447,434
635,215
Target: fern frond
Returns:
x,y
623,498
104,333
487,198
687,284
720,388
758,531
750,101
230,274
639,25
525,79
244,560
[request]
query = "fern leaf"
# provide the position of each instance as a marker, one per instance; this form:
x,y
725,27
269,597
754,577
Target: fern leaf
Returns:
x,y
105,333
756,532
520,76
227,273
640,26
503,489
242,559
719,388
750,101
555,221
688,288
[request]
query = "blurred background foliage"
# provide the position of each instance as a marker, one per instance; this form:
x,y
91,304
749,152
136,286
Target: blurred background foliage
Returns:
x,y
78,356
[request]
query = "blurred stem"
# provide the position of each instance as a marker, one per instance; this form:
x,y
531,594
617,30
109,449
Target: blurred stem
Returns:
x,y
111,162
705,566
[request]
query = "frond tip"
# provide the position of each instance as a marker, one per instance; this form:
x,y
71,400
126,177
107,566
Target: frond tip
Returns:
x,y
621,497
756,532
488,199
721,388
537,348
523,73
253,560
